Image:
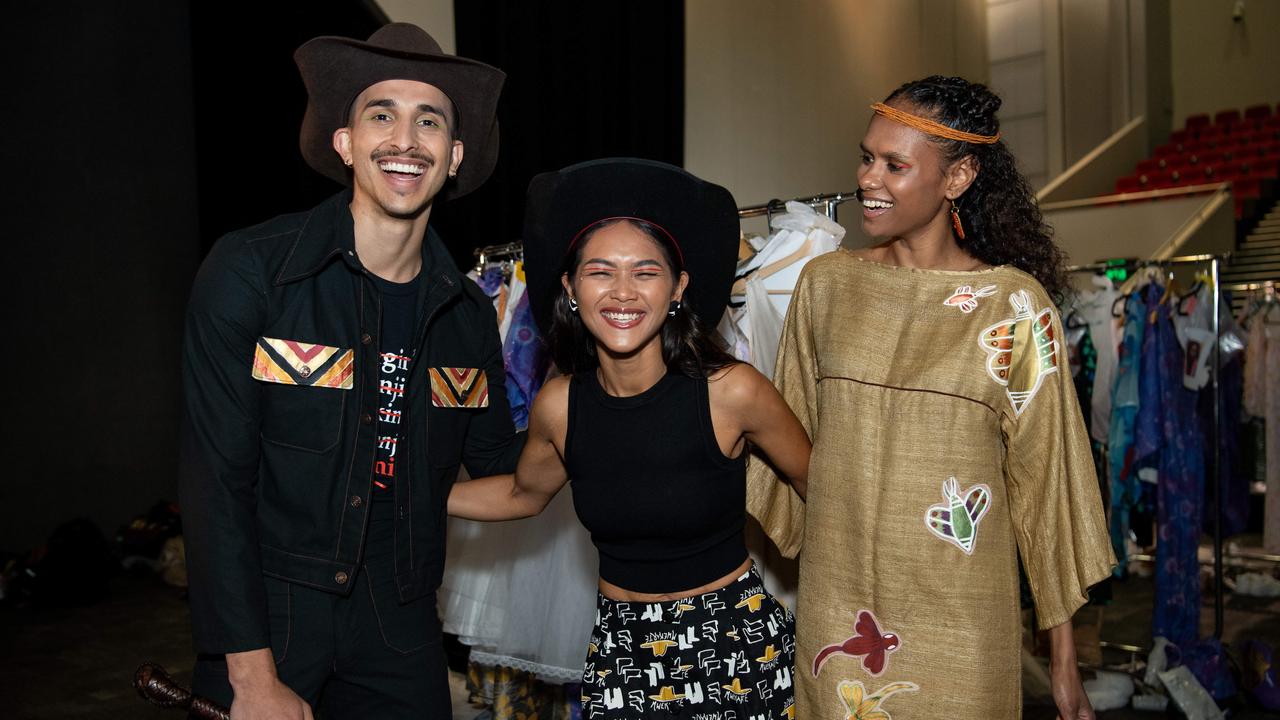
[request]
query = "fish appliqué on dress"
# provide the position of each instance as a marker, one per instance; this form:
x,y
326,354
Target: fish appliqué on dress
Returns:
x,y
956,520
1026,331
966,298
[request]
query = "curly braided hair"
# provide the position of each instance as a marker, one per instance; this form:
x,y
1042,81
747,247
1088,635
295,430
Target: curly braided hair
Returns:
x,y
1003,224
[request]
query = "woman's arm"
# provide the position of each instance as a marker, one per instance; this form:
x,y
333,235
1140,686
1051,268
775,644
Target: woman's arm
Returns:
x,y
1064,675
765,420
539,474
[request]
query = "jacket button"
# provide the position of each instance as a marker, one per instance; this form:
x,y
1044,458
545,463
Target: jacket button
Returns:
x,y
356,501
366,418
365,339
304,371
340,578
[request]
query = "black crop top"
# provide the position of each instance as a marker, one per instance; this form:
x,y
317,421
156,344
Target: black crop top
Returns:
x,y
664,506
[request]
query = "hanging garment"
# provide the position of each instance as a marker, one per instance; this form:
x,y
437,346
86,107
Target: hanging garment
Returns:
x,y
1168,436
947,441
752,327
1125,489
1104,330
1271,374
800,234
1231,470
525,356
1193,320
495,595
1262,400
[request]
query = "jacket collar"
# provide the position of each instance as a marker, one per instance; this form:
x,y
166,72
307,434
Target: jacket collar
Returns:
x,y
329,233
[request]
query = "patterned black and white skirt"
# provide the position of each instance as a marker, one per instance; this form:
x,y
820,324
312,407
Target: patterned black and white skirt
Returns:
x,y
722,655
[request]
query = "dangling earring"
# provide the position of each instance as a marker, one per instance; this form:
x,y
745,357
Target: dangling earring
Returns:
x,y
955,220
675,308
573,305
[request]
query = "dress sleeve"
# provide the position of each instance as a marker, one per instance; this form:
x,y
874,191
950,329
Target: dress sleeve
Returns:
x,y
1055,503
770,500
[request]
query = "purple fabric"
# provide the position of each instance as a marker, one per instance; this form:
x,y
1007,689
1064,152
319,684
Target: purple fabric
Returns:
x,y
1169,439
526,359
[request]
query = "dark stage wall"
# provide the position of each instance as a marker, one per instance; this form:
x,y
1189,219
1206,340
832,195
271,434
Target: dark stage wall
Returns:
x,y
135,133
101,240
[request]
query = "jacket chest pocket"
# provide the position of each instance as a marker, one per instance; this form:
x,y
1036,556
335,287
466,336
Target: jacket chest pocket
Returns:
x,y
305,392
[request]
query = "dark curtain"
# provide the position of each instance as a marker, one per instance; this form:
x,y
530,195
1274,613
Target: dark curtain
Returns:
x,y
100,244
249,102
584,80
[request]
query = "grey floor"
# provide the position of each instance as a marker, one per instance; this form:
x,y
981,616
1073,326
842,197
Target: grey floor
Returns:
x,y
78,663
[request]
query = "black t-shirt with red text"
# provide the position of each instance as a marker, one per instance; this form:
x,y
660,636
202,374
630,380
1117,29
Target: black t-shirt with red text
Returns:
x,y
399,311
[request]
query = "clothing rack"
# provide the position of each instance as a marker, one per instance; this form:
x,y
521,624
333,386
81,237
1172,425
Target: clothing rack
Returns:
x,y
1215,265
505,251
828,203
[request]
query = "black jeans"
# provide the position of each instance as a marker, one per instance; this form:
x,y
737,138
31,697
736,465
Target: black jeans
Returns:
x,y
362,656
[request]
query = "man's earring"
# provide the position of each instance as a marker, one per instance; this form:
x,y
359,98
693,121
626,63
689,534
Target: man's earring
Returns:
x,y
347,162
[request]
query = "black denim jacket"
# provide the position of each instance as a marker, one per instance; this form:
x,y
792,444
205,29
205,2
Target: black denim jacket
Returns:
x,y
275,478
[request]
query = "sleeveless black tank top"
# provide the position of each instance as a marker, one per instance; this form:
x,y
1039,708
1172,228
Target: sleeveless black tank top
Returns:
x,y
664,506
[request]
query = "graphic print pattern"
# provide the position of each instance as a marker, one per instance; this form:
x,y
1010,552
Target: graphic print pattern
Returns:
x,y
723,655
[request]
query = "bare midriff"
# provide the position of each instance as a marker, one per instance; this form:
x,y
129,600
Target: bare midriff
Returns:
x,y
613,592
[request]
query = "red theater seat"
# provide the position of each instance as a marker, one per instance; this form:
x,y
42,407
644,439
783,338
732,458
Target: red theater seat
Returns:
x,y
1197,121
1247,188
1129,184
1226,117
1156,180
1257,112
1263,170
1193,175
1207,157
1229,172
1166,150
1148,165
1178,137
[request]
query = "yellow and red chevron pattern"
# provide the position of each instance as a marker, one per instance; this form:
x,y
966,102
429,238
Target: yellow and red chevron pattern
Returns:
x,y
454,387
290,362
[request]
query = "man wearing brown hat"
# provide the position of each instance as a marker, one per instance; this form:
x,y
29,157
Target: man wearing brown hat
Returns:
x,y
337,370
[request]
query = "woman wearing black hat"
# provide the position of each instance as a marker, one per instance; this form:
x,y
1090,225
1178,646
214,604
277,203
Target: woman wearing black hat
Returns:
x,y
625,259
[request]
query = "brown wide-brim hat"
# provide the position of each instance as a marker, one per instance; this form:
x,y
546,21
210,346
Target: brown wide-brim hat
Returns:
x,y
337,69
700,217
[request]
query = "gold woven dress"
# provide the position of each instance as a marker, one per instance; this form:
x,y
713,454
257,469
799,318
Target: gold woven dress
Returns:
x,y
946,438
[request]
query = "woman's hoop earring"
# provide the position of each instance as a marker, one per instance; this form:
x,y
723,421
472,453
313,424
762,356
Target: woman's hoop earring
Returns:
x,y
955,220
675,308
573,305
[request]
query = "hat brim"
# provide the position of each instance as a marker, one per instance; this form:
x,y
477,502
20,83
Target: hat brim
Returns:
x,y
336,70
701,217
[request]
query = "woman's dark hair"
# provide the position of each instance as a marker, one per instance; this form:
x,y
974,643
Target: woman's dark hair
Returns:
x,y
1002,222
689,347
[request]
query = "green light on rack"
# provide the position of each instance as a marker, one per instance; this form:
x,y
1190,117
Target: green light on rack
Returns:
x,y
1117,269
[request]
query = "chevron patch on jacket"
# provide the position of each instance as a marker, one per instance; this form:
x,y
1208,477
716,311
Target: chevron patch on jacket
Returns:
x,y
290,362
455,387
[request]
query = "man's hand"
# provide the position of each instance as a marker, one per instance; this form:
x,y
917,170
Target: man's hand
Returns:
x,y
1064,676
259,694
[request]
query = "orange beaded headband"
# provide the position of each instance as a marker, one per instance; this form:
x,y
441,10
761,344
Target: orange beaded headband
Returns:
x,y
933,128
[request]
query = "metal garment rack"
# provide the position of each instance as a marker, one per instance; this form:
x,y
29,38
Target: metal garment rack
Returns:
x,y
1214,262
506,251
828,203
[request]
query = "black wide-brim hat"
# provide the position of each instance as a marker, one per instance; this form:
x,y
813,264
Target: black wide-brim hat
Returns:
x,y
700,217
337,69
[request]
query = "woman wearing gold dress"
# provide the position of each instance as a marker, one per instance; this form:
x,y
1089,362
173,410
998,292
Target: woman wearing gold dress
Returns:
x,y
931,375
